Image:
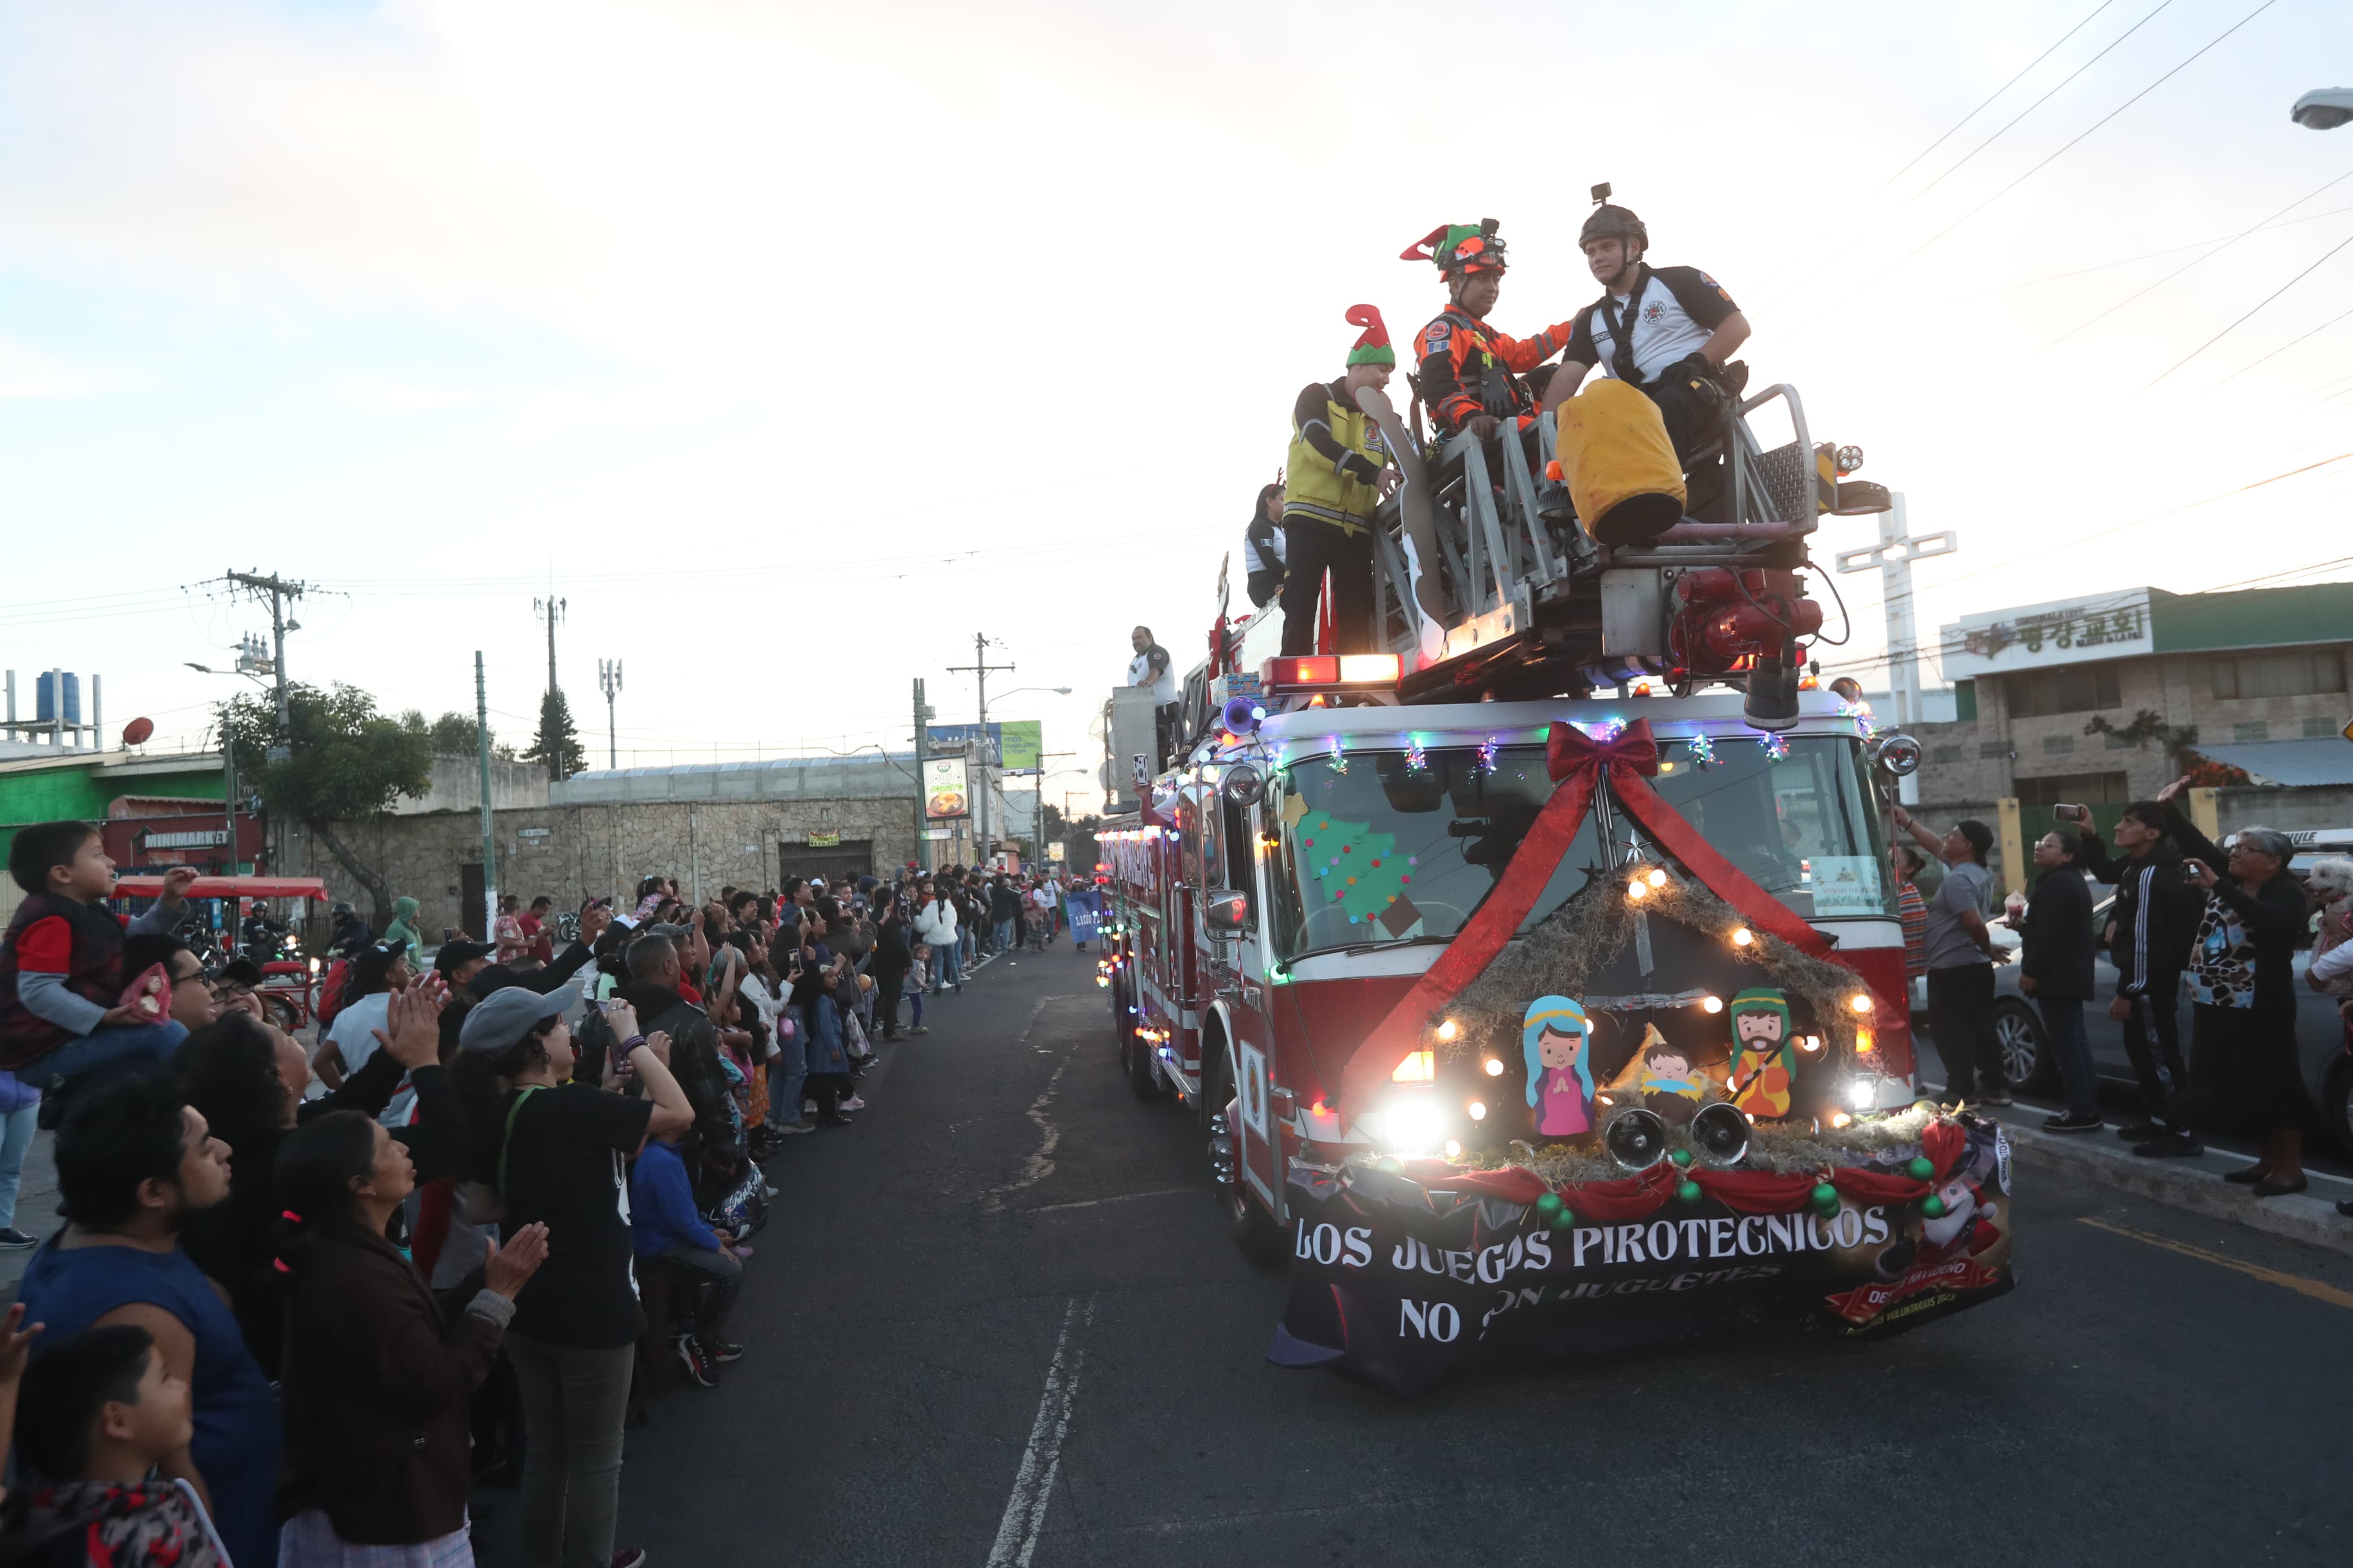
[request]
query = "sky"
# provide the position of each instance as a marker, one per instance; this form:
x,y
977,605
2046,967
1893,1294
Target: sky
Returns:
x,y
794,345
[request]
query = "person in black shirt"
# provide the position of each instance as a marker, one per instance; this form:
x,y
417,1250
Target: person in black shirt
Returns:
x,y
2150,926
2056,970
1666,331
1263,548
553,1152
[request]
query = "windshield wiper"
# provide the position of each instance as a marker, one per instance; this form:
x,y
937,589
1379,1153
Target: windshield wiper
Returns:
x,y
1401,941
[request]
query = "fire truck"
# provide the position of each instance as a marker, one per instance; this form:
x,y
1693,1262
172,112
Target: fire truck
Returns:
x,y
1323,828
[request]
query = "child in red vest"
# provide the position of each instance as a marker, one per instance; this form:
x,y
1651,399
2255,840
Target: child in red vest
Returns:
x,y
61,980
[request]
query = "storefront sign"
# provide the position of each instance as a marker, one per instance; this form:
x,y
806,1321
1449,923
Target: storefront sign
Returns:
x,y
2113,625
946,793
825,840
215,838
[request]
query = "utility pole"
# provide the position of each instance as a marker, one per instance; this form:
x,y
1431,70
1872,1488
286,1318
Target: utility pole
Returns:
x,y
279,593
552,608
281,745
1892,557
983,668
489,832
923,823
608,677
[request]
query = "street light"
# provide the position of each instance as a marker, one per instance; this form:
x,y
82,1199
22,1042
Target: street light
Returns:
x,y
2324,108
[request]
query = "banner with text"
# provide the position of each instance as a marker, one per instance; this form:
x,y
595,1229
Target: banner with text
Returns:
x,y
1396,1284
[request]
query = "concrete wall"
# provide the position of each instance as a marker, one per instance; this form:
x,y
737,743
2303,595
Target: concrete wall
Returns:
x,y
602,848
458,786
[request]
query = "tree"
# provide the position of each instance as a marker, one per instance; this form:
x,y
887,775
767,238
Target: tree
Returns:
x,y
1357,869
1077,835
557,744
2180,743
345,759
456,735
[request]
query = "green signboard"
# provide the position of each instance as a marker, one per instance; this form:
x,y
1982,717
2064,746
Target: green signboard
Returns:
x,y
1019,745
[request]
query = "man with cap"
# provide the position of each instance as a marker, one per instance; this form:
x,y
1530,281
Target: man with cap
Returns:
x,y
652,990
1664,331
1960,961
459,962
1337,474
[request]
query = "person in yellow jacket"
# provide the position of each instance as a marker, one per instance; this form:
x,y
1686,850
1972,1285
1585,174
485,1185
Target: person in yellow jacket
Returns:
x,y
1338,472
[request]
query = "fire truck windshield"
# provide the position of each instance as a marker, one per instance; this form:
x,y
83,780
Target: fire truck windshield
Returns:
x,y
1384,846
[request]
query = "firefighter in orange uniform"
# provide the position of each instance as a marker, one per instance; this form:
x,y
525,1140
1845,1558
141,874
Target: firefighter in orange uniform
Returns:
x,y
1467,369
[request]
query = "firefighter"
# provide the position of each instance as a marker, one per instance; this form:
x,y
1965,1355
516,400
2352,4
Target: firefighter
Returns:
x,y
1467,369
1665,331
1338,472
1262,547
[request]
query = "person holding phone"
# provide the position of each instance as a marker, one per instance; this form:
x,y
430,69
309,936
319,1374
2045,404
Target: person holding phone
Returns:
x,y
2150,926
1960,961
553,1152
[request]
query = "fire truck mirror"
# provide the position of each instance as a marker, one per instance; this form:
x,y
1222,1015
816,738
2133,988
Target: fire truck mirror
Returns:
x,y
1228,912
1897,754
1245,784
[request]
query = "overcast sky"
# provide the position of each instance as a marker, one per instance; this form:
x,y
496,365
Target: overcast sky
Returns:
x,y
800,342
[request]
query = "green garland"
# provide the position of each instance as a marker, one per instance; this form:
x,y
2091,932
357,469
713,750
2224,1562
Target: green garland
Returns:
x,y
1594,925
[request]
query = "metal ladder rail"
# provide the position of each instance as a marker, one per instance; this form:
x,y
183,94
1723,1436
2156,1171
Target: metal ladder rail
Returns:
x,y
1490,555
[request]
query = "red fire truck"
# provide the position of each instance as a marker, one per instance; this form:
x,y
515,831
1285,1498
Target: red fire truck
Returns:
x,y
1337,849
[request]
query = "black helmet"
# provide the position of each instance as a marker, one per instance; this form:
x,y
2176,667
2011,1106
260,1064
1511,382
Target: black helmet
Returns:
x,y
1609,222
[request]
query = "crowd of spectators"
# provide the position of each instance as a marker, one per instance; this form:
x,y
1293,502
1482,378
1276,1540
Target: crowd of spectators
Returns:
x,y
307,1297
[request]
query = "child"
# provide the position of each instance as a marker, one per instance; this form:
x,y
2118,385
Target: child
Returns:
x,y
61,977
664,1226
99,1413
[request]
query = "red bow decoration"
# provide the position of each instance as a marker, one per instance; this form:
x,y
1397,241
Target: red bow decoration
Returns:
x,y
1576,760
1569,749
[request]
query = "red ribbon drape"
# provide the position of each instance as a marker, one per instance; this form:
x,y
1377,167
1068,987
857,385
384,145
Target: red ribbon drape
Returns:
x,y
1575,760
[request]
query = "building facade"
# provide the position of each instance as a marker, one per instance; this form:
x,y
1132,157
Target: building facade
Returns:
x,y
2093,699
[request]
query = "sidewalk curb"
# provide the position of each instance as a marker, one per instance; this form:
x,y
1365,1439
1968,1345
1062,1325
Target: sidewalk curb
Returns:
x,y
2302,1218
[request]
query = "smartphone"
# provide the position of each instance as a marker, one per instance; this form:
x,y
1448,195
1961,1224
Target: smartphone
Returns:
x,y
2071,813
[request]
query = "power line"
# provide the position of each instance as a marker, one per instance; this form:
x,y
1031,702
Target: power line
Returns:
x,y
1981,108
2046,98
2075,140
2282,348
2148,255
2194,261
2266,299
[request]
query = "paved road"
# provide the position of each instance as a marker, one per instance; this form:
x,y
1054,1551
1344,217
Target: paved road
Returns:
x,y
1007,1230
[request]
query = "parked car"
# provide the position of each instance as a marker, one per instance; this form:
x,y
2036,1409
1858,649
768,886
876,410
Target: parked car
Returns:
x,y
2325,1067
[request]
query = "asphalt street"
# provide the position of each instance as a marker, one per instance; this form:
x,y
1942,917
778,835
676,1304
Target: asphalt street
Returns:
x,y
1000,1322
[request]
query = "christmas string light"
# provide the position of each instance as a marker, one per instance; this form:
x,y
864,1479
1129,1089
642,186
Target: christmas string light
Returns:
x,y
1417,760
1773,746
1702,750
1487,749
1608,729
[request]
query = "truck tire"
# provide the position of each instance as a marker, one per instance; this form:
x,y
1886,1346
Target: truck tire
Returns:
x,y
1135,1056
1255,1233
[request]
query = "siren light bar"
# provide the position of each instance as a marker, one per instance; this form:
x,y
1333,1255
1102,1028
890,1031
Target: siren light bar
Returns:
x,y
1330,671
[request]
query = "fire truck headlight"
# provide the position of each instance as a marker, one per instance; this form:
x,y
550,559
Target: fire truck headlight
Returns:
x,y
1412,1123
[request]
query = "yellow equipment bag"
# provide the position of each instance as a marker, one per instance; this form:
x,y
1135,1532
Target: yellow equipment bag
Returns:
x,y
1620,468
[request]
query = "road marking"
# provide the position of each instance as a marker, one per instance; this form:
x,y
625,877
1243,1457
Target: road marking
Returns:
x,y
2296,1282
1041,1461
1122,1198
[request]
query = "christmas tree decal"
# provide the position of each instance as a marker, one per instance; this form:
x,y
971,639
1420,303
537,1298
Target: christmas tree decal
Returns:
x,y
1350,865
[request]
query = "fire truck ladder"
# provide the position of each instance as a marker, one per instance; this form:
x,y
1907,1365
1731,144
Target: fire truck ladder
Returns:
x,y
1507,592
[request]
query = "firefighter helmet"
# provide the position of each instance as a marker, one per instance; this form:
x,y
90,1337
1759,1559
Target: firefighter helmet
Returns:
x,y
1609,222
1459,249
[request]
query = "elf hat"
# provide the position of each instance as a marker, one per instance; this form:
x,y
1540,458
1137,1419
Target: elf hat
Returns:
x,y
1459,249
1373,348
